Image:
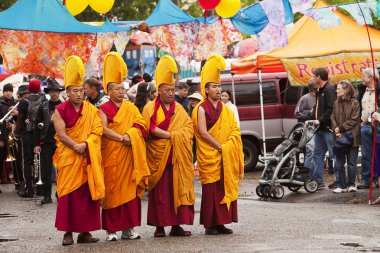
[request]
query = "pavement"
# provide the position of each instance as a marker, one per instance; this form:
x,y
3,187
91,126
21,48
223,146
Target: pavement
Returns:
x,y
299,222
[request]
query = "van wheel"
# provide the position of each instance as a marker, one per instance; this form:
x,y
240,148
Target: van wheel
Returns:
x,y
251,155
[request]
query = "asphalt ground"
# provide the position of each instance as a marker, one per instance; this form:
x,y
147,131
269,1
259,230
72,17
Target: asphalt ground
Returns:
x,y
299,222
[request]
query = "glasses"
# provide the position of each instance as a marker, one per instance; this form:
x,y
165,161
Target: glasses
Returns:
x,y
119,89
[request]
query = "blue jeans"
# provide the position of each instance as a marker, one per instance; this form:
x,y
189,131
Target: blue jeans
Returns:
x,y
323,142
367,139
309,161
349,154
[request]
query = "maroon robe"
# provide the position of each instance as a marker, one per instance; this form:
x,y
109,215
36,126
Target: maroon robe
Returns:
x,y
127,215
161,211
76,211
212,212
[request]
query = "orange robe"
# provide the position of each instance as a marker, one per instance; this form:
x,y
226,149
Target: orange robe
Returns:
x,y
87,129
214,166
125,167
173,159
80,179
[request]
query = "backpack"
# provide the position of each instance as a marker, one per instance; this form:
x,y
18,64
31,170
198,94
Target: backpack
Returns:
x,y
33,106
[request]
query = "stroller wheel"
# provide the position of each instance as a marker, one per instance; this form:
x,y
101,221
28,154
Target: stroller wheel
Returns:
x,y
266,191
294,188
259,191
311,185
278,192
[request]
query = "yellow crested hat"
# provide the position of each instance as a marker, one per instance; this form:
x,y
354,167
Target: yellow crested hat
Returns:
x,y
114,69
211,71
165,70
74,71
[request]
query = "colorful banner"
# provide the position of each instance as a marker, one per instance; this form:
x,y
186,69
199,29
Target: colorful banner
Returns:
x,y
42,53
340,66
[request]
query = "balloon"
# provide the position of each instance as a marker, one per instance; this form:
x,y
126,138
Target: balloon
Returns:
x,y
208,4
228,8
75,7
101,6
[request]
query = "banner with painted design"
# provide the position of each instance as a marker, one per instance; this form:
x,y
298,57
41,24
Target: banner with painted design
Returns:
x,y
340,66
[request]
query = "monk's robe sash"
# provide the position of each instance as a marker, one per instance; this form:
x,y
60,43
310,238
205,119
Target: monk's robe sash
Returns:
x,y
73,168
178,148
210,161
125,167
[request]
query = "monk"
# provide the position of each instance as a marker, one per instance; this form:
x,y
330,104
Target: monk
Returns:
x,y
169,155
78,160
124,155
219,152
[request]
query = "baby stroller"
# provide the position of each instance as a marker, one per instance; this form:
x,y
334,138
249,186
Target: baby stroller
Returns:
x,y
285,167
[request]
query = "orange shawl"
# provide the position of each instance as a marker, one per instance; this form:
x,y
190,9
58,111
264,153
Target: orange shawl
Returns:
x,y
210,161
125,168
73,170
181,142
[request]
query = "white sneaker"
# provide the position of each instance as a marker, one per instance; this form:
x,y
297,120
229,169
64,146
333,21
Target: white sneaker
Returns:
x,y
130,234
111,237
352,189
340,190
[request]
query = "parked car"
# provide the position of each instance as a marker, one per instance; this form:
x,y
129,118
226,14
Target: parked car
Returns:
x,y
280,100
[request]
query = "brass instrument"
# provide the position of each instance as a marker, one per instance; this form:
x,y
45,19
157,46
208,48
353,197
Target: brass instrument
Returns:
x,y
37,171
6,116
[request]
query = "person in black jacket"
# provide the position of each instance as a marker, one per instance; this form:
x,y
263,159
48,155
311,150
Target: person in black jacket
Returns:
x,y
26,131
324,137
7,102
46,144
3,139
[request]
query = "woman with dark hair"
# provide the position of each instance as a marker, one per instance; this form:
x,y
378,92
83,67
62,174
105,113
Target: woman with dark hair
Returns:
x,y
345,121
226,98
145,93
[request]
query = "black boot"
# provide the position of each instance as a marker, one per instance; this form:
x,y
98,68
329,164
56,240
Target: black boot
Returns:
x,y
46,200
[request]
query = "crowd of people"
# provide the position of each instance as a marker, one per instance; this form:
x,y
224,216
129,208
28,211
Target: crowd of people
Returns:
x,y
109,147
108,151
347,118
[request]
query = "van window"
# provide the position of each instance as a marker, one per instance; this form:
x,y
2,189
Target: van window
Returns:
x,y
292,95
248,94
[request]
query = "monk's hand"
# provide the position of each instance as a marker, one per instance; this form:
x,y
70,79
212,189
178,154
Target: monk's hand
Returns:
x,y
80,148
126,140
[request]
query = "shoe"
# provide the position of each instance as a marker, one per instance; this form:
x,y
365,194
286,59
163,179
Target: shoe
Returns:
x,y
340,190
86,237
46,200
223,230
179,231
111,237
67,239
211,231
130,234
334,185
27,194
160,232
363,186
321,185
352,189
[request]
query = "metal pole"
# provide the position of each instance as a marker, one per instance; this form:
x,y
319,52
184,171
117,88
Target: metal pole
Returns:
x,y
262,113
233,89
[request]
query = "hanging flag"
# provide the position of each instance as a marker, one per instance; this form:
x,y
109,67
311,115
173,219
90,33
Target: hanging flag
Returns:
x,y
374,5
301,5
359,11
324,16
273,36
274,11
